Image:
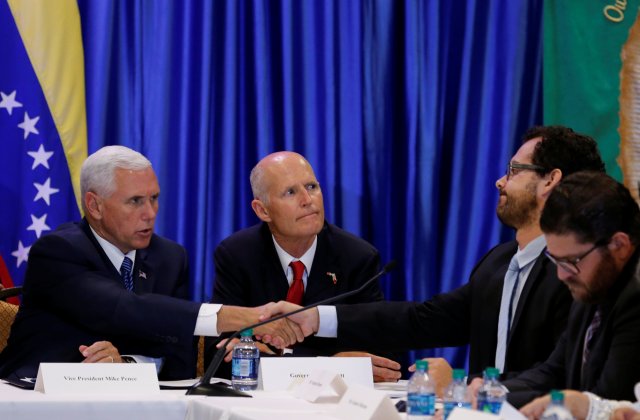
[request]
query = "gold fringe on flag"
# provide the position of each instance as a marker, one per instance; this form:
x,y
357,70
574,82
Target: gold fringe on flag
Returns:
x,y
629,158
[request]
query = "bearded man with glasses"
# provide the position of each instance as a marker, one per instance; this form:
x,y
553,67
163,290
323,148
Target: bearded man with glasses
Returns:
x,y
592,227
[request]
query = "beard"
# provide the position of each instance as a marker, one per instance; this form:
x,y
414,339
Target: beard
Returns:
x,y
519,208
595,290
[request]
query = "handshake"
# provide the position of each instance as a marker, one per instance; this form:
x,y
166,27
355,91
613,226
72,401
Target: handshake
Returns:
x,y
280,333
290,329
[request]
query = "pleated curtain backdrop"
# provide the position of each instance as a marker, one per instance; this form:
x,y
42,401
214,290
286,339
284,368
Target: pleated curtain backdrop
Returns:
x,y
407,110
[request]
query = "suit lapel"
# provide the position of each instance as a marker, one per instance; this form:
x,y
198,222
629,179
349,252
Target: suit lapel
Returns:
x,y
100,259
143,275
533,278
320,283
584,313
271,268
275,276
493,296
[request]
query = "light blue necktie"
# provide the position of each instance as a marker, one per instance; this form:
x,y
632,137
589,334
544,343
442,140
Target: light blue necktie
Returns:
x,y
126,271
506,310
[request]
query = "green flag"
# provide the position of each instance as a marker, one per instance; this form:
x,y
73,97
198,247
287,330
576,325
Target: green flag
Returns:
x,y
582,67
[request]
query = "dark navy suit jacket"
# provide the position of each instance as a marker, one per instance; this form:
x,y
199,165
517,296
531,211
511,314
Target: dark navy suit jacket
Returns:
x,y
249,273
613,367
73,295
469,315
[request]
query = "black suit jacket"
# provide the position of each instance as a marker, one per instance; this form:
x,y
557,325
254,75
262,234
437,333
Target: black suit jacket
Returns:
x,y
249,273
613,366
73,295
469,315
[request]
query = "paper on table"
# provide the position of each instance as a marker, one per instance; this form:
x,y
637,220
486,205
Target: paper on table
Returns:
x,y
509,412
392,389
187,383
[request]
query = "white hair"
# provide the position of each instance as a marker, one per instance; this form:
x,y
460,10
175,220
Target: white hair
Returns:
x,y
98,171
257,183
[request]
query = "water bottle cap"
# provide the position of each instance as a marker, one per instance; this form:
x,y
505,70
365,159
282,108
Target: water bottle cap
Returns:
x,y
247,333
422,365
557,396
459,373
492,372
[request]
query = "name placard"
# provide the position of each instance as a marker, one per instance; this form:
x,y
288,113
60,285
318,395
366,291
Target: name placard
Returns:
x,y
366,404
97,378
321,383
285,373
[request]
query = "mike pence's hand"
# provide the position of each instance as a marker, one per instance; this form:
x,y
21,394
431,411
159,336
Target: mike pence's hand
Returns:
x,y
100,352
307,320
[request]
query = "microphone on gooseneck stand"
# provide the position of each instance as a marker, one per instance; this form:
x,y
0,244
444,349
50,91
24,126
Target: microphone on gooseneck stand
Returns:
x,y
204,387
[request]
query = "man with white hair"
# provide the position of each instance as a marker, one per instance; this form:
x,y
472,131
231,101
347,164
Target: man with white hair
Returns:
x,y
108,285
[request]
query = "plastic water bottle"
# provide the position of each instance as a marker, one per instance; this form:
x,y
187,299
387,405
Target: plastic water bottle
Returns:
x,y
491,394
556,410
244,363
456,393
421,395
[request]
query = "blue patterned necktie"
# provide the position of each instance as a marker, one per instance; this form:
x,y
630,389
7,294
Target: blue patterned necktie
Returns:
x,y
506,311
126,271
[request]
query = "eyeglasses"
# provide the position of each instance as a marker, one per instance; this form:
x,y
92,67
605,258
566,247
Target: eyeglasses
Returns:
x,y
570,265
515,168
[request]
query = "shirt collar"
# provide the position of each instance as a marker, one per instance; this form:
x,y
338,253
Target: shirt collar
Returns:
x,y
531,251
307,258
113,253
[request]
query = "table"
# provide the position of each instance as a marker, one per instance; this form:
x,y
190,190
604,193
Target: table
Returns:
x,y
19,404
264,405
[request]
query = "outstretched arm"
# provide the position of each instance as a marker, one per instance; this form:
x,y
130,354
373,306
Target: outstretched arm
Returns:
x,y
281,333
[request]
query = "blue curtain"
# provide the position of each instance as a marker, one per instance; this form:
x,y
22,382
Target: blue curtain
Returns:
x,y
407,110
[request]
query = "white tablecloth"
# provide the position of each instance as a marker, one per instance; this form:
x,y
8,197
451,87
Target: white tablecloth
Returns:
x,y
264,405
20,404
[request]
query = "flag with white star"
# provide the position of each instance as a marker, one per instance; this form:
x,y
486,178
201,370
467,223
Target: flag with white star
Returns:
x,y
42,125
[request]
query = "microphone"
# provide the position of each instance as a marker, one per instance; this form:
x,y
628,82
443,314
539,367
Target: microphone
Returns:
x,y
204,387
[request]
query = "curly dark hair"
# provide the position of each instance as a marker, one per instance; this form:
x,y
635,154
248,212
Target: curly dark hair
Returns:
x,y
564,149
593,206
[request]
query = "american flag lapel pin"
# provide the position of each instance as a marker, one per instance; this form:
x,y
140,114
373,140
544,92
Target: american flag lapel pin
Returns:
x,y
333,277
142,274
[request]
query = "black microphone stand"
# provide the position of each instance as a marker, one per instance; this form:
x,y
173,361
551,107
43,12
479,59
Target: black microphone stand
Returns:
x,y
204,385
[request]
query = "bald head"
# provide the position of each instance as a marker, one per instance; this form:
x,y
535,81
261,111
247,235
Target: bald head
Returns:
x,y
270,167
288,198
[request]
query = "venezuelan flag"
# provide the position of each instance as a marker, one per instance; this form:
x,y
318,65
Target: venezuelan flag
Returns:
x,y
43,132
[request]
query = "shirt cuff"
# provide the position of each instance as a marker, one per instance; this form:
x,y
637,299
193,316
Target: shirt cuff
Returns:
x,y
601,409
145,359
327,322
207,322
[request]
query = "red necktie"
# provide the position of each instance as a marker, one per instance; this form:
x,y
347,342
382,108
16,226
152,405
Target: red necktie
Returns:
x,y
296,290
